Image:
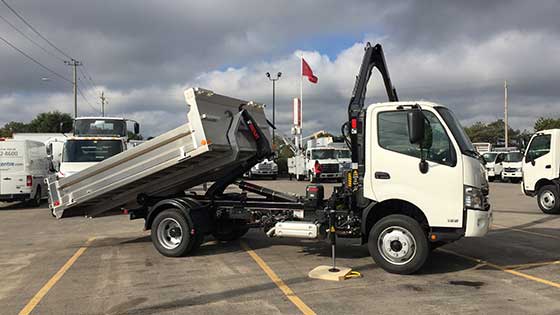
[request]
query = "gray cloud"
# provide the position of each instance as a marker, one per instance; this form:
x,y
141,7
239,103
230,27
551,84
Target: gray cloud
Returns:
x,y
144,53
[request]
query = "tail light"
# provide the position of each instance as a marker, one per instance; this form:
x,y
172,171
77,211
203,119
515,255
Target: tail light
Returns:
x,y
318,168
29,181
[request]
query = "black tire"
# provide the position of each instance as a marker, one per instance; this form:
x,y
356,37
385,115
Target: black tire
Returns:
x,y
188,242
274,177
490,178
395,224
36,201
548,199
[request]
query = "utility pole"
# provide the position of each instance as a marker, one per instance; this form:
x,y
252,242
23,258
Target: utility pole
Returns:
x,y
74,64
103,102
278,75
506,112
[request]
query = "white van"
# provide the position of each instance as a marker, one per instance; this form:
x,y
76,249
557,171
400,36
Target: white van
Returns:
x,y
23,168
513,167
494,164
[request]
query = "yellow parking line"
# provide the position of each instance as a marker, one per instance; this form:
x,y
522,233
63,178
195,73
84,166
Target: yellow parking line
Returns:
x,y
504,269
529,265
527,232
279,283
52,281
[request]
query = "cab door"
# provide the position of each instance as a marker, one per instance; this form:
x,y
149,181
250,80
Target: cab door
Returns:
x,y
537,163
395,171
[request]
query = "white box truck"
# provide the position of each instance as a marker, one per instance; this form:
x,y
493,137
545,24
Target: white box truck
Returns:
x,y
416,181
23,169
541,170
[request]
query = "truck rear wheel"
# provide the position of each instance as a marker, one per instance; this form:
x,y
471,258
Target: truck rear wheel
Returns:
x,y
548,199
171,234
398,244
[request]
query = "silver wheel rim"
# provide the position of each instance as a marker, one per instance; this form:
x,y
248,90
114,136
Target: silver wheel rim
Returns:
x,y
547,200
169,233
397,245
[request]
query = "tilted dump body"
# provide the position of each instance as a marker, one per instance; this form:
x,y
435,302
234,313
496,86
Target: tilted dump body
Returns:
x,y
215,141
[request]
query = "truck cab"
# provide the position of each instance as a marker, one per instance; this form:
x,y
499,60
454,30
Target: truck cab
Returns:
x,y
322,163
541,170
443,177
80,153
512,167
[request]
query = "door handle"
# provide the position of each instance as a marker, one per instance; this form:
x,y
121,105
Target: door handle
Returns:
x,y
382,175
548,166
6,178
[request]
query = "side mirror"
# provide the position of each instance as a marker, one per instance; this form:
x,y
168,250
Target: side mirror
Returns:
x,y
136,128
49,149
415,120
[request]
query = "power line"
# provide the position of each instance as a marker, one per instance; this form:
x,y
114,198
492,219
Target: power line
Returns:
x,y
34,30
35,61
30,39
87,101
89,76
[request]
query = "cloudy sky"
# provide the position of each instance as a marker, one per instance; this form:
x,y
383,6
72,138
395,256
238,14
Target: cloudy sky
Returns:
x,y
143,54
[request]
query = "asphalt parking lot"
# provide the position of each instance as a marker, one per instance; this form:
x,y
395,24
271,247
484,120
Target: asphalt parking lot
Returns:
x,y
108,266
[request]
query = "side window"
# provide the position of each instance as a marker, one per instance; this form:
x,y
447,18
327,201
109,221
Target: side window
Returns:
x,y
392,133
538,147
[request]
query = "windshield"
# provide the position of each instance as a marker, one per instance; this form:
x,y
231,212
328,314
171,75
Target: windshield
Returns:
x,y
456,129
100,127
323,154
513,157
90,150
344,154
489,157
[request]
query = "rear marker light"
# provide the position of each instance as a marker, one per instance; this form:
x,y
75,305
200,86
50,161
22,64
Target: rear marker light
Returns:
x,y
29,181
57,203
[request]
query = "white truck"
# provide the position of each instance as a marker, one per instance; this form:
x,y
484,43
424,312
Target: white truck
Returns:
x,y
320,160
541,170
512,167
23,168
94,139
494,164
265,168
80,153
416,180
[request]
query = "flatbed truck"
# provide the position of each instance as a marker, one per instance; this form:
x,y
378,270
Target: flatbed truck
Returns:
x,y
416,181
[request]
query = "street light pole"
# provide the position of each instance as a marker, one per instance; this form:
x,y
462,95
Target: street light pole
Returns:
x,y
273,79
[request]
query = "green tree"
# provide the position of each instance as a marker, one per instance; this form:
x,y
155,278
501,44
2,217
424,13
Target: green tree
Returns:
x,y
51,122
13,126
546,123
490,132
132,136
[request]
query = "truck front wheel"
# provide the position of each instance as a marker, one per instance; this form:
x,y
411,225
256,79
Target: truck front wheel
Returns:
x,y
172,234
398,244
548,199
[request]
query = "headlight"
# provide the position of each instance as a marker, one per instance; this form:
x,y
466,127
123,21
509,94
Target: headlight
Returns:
x,y
474,199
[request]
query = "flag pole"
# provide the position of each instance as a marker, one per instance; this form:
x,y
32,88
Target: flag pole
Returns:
x,y
301,100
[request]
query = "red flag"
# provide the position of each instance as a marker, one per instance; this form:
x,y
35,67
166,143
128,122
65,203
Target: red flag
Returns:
x,y
306,71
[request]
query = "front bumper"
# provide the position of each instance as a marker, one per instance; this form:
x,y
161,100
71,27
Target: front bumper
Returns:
x,y
264,172
330,175
478,222
517,174
15,197
490,173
